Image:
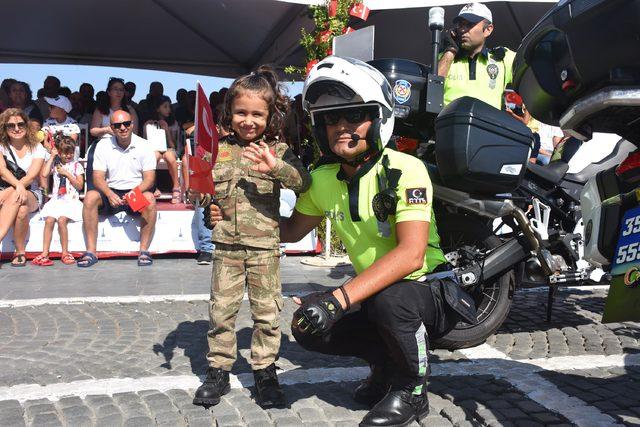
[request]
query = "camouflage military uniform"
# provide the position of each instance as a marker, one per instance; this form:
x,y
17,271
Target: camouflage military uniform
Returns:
x,y
247,245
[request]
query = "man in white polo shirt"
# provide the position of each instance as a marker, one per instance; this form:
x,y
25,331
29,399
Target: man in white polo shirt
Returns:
x,y
121,162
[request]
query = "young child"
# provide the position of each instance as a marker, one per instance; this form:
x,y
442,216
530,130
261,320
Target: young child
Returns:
x,y
65,205
247,239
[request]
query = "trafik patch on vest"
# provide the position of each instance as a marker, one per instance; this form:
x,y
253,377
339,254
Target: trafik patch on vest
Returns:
x,y
416,196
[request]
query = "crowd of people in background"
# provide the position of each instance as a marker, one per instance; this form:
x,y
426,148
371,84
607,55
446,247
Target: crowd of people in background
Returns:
x,y
54,134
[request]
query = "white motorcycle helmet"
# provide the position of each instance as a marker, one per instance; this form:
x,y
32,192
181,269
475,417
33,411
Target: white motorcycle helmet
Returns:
x,y
337,83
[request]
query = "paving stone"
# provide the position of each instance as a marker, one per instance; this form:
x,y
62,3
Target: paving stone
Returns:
x,y
46,419
76,411
139,422
288,421
12,418
545,417
435,421
79,421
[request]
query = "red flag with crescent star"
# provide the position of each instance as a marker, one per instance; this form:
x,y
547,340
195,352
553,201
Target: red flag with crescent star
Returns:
x,y
206,132
206,138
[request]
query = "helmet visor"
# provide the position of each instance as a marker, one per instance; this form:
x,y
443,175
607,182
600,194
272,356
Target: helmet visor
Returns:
x,y
353,115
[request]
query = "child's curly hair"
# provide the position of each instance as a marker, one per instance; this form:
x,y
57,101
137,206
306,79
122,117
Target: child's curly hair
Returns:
x,y
263,81
64,143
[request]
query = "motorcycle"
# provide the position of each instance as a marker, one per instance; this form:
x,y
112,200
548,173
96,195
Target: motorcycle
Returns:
x,y
503,221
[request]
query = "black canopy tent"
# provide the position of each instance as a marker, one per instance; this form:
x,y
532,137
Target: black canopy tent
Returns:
x,y
221,38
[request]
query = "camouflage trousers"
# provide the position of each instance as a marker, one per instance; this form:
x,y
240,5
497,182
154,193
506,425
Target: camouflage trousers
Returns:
x,y
233,267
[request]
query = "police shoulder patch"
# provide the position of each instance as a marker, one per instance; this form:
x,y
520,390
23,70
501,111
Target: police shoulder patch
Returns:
x,y
416,196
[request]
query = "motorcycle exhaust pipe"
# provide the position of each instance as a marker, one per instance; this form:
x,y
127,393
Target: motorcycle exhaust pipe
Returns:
x,y
502,259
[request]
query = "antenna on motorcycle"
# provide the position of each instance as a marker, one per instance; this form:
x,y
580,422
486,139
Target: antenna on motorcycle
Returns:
x,y
436,24
434,90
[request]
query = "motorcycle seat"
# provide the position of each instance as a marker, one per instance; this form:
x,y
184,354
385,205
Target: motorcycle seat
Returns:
x,y
552,173
620,152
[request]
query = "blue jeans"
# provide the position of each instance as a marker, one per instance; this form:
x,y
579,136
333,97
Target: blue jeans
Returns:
x,y
204,234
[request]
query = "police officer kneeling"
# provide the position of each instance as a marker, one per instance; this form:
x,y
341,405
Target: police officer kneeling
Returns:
x,y
379,201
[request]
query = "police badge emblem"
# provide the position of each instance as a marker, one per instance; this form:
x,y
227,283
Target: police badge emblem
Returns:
x,y
402,91
493,70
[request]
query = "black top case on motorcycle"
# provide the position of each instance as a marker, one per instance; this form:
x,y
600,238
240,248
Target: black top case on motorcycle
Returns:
x,y
579,68
479,149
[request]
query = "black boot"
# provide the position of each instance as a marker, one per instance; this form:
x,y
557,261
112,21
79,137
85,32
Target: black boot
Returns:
x,y
375,387
269,394
398,408
215,385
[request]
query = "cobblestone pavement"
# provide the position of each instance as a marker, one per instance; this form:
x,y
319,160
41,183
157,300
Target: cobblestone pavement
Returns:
x,y
127,348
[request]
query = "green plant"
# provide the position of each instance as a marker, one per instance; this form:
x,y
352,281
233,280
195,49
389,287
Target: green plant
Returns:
x,y
330,19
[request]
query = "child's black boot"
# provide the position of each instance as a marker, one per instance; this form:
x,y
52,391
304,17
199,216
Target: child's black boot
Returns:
x,y
215,385
269,394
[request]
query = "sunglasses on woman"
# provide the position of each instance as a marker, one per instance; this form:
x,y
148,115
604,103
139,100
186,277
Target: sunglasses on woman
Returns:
x,y
19,125
351,115
120,124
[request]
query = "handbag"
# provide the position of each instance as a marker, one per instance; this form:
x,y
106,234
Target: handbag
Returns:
x,y
13,167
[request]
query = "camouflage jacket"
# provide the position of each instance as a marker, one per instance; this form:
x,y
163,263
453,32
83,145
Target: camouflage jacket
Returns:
x,y
250,200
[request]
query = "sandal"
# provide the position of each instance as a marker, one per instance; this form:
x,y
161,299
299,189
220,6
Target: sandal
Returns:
x,y
19,260
87,259
157,194
67,258
42,261
176,194
144,259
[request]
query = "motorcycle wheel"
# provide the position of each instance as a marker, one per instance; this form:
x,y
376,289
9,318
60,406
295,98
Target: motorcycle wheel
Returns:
x,y
493,299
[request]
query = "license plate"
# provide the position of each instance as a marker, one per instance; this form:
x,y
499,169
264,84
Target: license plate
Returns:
x,y
623,301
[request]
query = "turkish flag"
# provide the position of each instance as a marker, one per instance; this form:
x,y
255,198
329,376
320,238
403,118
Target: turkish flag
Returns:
x,y
136,200
206,132
359,10
200,178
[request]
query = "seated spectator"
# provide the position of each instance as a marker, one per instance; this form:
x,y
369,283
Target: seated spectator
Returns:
x,y
78,109
106,106
181,99
186,115
20,97
51,88
87,91
65,91
65,204
550,136
6,84
59,120
156,89
120,164
18,198
161,116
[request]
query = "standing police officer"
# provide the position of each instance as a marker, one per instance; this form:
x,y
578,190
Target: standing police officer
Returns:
x,y
469,67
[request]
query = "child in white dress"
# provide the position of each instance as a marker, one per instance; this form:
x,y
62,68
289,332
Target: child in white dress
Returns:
x,y
65,204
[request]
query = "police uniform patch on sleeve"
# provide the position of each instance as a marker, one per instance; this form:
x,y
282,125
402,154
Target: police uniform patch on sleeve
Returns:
x,y
416,196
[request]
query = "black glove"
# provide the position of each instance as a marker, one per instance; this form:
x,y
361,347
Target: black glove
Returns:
x,y
318,313
449,43
206,213
205,202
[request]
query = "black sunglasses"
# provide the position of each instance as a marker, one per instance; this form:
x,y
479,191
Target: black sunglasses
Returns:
x,y
19,125
120,124
351,115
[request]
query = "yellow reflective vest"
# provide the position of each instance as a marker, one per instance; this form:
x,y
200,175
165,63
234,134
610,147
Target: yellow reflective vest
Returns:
x,y
484,77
